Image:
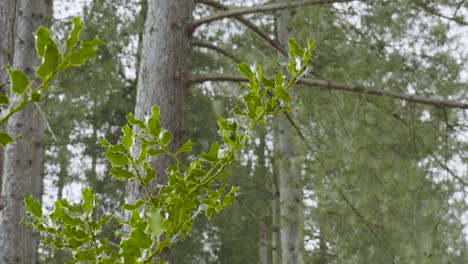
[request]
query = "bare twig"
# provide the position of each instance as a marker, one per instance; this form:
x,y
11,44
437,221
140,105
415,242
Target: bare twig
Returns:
x,y
340,87
262,8
217,49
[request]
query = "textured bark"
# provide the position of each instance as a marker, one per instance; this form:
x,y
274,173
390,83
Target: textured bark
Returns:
x,y
23,158
162,74
290,187
7,27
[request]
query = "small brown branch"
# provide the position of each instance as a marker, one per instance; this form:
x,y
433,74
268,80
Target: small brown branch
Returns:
x,y
217,49
434,12
260,9
248,24
340,87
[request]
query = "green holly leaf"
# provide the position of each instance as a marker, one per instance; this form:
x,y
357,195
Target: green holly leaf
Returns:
x,y
5,139
154,126
116,158
246,71
42,39
132,121
4,99
166,138
155,222
19,81
186,147
87,200
84,256
121,174
73,38
140,238
85,52
33,207
127,140
50,62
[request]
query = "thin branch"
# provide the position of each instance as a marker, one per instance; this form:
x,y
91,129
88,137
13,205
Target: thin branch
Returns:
x,y
248,24
217,49
432,11
340,87
262,8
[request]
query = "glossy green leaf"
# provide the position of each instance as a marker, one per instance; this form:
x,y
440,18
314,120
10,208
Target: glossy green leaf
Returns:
x,y
155,222
85,52
4,99
34,207
186,147
73,38
246,71
154,126
42,39
87,200
19,81
132,121
85,256
35,96
105,143
121,174
166,138
134,206
140,238
127,139
116,158
5,139
50,62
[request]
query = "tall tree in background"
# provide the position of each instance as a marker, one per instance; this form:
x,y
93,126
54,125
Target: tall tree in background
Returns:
x,y
23,158
7,36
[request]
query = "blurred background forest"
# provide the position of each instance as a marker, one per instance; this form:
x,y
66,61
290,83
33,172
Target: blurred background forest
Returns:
x,y
369,179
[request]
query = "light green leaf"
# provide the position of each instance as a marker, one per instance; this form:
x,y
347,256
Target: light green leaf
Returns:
x,y
127,139
19,80
4,99
116,158
49,63
121,174
135,206
87,200
155,222
5,139
73,38
140,239
105,143
87,51
186,147
132,121
154,126
84,256
42,39
246,71
34,207
166,138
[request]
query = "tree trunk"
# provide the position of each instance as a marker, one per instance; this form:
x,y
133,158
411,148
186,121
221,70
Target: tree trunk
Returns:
x,y
7,27
23,158
290,187
163,70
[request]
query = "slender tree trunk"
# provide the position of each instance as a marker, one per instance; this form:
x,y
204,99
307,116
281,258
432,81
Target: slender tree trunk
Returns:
x,y
162,73
290,187
7,35
23,158
275,216
261,172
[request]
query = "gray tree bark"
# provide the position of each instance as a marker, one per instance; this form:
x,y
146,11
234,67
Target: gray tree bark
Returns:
x,y
163,73
7,27
290,187
23,158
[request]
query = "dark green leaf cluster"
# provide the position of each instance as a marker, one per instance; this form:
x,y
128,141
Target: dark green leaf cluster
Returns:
x,y
166,213
53,62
